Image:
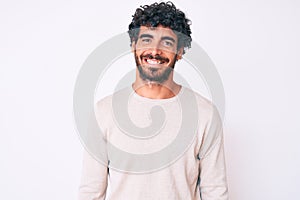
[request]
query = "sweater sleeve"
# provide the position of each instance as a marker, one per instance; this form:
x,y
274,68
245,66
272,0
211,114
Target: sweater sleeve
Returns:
x,y
93,182
213,184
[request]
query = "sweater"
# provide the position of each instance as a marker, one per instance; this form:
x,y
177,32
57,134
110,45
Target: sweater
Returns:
x,y
180,157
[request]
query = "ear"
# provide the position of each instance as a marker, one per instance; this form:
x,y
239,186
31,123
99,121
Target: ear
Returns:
x,y
132,46
179,53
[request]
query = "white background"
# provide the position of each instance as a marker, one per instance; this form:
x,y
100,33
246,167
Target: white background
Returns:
x,y
254,45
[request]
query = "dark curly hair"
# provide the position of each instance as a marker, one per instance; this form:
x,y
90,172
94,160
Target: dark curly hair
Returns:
x,y
165,14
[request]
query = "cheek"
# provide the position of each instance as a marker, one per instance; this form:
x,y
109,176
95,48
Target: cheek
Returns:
x,y
172,56
137,53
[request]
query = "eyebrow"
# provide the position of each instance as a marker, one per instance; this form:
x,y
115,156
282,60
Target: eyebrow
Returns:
x,y
163,38
146,35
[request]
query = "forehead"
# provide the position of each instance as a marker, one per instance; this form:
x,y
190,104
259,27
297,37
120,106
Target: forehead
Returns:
x,y
158,31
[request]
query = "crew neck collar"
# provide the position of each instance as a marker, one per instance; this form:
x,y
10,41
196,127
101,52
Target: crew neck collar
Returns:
x,y
139,97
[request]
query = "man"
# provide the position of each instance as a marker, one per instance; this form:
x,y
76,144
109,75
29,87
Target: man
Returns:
x,y
190,164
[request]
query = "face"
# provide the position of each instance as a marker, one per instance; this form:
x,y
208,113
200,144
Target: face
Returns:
x,y
156,53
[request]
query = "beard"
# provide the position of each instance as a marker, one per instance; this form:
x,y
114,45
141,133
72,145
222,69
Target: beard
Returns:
x,y
153,74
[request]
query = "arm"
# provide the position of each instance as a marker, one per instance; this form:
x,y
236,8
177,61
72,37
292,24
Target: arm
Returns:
x,y
94,179
213,184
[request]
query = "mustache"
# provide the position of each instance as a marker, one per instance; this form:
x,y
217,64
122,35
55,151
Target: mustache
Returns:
x,y
156,57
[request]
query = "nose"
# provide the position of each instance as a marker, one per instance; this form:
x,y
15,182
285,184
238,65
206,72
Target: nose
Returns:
x,y
155,49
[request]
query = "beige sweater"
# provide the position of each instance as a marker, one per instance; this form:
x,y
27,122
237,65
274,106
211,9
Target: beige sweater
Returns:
x,y
193,170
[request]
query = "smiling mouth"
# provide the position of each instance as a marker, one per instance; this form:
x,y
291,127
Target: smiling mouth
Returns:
x,y
154,61
158,60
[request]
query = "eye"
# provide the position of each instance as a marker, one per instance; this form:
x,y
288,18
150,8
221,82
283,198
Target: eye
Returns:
x,y
146,40
168,43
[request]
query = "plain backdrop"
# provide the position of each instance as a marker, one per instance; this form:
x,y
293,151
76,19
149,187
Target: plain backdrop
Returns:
x,y
254,45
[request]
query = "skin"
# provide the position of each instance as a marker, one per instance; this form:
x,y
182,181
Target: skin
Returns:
x,y
156,54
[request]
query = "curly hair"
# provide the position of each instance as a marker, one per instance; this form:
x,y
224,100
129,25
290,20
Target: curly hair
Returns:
x,y
165,14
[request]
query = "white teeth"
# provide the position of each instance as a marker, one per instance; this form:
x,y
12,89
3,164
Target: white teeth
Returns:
x,y
153,62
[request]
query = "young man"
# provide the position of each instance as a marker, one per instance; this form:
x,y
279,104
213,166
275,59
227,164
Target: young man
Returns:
x,y
190,161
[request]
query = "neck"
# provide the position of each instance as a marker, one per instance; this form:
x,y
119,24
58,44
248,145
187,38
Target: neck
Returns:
x,y
154,90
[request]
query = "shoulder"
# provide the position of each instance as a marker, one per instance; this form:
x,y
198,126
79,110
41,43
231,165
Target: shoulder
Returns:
x,y
203,103
103,103
106,104
107,100
207,111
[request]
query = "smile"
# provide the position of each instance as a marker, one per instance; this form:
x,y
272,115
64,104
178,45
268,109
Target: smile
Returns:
x,y
154,61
